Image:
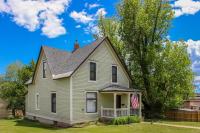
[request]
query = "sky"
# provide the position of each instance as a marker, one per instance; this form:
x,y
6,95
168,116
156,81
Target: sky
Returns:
x,y
26,25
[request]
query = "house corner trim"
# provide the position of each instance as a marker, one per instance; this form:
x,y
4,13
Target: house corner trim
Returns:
x,y
71,99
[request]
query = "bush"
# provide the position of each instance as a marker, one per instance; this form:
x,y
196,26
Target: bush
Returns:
x,y
134,119
125,120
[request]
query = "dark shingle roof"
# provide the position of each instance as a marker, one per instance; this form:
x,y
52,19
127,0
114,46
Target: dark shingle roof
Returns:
x,y
56,59
61,62
117,88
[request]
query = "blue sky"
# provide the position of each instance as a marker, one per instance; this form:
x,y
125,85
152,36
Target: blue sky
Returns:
x,y
26,25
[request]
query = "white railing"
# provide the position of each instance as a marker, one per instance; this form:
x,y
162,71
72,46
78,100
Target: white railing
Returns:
x,y
110,112
107,112
122,112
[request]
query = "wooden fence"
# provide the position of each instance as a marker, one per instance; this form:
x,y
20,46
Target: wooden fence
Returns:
x,y
183,115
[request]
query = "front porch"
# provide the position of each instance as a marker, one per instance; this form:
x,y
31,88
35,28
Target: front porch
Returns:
x,y
116,102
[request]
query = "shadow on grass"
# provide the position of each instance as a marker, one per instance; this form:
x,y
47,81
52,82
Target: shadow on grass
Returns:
x,y
34,124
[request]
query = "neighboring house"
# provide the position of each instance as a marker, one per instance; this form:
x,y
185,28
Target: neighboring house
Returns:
x,y
192,103
80,86
4,112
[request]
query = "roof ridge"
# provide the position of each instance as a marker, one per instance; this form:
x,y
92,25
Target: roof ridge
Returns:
x,y
61,50
98,39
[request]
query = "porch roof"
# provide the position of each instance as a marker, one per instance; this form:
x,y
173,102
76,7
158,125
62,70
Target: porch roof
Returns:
x,y
117,88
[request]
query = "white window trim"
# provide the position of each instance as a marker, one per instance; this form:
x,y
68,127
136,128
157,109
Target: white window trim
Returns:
x,y
92,81
71,99
44,60
53,92
37,103
117,74
86,102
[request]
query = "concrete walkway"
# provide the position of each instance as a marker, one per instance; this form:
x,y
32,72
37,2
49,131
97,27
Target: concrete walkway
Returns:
x,y
172,125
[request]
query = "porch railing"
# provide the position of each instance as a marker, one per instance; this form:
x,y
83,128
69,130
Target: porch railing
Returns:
x,y
122,112
109,112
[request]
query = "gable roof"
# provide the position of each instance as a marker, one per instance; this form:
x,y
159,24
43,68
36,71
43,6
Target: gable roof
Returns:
x,y
64,64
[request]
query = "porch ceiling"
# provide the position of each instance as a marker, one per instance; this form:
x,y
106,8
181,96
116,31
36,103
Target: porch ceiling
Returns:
x,y
117,88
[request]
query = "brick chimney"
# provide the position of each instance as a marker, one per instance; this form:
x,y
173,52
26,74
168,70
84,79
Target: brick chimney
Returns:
x,y
76,46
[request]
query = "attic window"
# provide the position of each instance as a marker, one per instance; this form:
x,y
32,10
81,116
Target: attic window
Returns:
x,y
114,74
92,71
44,69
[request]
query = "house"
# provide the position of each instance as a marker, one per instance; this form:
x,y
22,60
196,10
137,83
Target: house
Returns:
x,y
192,103
80,86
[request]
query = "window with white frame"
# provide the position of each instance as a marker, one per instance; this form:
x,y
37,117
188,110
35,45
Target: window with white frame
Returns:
x,y
92,71
114,74
44,69
53,102
37,101
91,102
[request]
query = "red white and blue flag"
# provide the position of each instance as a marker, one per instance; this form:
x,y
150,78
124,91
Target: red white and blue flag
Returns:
x,y
135,101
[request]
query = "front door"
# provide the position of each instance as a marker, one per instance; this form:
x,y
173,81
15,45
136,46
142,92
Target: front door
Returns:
x,y
118,102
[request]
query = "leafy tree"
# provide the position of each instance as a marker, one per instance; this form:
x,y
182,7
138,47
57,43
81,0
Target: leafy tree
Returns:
x,y
109,27
158,70
172,77
13,89
12,71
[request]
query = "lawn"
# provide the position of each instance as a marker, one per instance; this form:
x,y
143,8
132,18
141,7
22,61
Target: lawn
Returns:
x,y
24,126
182,123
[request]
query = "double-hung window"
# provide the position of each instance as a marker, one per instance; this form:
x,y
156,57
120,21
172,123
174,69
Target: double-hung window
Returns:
x,y
44,69
114,74
91,102
53,102
37,101
92,71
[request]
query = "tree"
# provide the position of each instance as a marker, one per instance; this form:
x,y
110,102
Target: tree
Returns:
x,y
13,89
12,71
143,28
109,27
172,78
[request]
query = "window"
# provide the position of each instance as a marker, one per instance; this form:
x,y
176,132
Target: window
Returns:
x,y
114,74
92,71
37,101
91,102
53,102
44,69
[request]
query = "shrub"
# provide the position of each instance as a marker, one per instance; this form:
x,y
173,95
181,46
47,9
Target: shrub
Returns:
x,y
125,120
134,119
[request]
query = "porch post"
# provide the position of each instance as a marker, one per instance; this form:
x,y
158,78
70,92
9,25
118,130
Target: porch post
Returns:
x,y
115,113
128,104
140,108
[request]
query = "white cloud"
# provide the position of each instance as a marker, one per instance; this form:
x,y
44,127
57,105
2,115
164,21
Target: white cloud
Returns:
x,y
101,11
32,14
194,51
95,5
3,6
91,28
186,7
81,17
91,6
89,20
52,26
193,47
78,26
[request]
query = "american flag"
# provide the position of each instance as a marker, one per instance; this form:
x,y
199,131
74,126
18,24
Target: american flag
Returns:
x,y
135,102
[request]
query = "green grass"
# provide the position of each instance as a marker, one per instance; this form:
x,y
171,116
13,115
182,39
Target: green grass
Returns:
x,y
24,126
182,123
